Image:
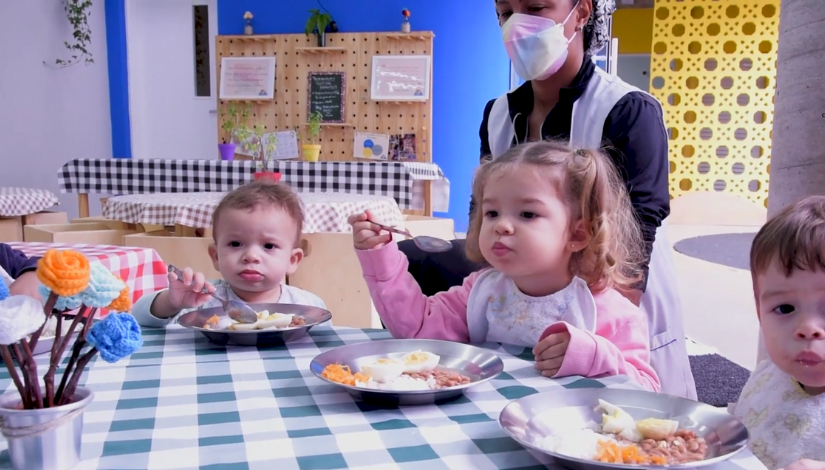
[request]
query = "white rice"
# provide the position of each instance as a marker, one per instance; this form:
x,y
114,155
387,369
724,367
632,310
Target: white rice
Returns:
x,y
402,383
577,443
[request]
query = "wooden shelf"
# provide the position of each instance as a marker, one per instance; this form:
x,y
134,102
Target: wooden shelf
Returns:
x,y
411,36
251,38
320,50
248,101
333,124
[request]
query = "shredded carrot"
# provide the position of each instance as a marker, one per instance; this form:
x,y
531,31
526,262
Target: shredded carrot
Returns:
x,y
612,452
213,320
342,374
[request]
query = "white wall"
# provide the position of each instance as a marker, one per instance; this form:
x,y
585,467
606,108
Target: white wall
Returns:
x,y
49,116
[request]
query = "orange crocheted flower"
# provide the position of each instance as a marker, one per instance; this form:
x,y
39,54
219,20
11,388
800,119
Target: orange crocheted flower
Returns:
x,y
65,273
123,303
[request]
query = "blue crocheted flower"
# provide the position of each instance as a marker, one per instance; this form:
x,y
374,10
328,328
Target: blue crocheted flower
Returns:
x,y
63,304
103,287
116,337
4,290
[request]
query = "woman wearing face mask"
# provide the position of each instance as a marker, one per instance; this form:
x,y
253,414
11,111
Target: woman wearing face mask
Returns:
x,y
550,43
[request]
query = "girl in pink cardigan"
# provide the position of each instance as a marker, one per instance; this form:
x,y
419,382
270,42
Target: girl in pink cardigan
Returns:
x,y
556,227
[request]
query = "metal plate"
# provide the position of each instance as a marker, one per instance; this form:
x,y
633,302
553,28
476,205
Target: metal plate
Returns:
x,y
196,319
530,419
480,365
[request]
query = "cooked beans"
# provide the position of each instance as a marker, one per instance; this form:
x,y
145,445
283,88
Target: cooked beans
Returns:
x,y
297,321
443,378
683,447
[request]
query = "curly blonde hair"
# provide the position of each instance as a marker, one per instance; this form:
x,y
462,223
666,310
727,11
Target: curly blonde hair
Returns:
x,y
595,193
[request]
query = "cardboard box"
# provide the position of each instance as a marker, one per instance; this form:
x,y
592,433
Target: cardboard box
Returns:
x,y
181,251
100,220
331,271
46,218
93,234
11,229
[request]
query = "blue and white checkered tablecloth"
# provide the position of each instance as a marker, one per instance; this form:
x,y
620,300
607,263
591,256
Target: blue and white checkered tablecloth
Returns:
x,y
184,403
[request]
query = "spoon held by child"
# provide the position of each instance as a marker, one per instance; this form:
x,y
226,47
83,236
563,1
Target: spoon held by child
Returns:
x,y
426,243
236,310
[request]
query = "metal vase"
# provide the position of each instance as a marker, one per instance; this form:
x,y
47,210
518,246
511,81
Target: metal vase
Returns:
x,y
55,449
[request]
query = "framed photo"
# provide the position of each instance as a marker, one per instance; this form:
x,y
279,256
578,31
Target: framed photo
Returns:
x,y
400,78
247,78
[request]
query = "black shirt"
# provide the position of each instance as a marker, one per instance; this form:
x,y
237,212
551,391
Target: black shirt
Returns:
x,y
634,136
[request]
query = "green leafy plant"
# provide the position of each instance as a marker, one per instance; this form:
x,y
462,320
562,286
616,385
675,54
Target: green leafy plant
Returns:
x,y
317,23
261,147
315,126
234,122
77,12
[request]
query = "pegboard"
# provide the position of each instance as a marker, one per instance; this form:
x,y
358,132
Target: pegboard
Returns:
x,y
352,53
713,67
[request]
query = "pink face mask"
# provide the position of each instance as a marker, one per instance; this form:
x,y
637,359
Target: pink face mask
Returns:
x,y
537,46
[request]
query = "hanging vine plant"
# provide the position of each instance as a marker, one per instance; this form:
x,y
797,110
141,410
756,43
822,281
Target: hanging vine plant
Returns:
x,y
77,12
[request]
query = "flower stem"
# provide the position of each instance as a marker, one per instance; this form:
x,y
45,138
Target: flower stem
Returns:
x,y
78,346
21,359
4,351
47,310
31,367
72,386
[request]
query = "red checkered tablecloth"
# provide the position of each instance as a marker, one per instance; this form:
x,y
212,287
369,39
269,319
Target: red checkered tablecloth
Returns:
x,y
141,268
15,202
323,212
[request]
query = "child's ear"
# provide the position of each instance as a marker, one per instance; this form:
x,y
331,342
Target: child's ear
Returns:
x,y
579,236
295,258
213,255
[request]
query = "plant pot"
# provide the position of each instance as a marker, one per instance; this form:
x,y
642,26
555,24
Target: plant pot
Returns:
x,y
311,152
248,30
322,39
53,435
405,26
227,151
267,175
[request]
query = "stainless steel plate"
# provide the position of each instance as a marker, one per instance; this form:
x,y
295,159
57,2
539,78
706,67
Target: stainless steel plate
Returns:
x,y
530,419
480,365
312,315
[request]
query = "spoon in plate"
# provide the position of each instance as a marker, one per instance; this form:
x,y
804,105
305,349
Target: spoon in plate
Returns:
x,y
234,309
426,243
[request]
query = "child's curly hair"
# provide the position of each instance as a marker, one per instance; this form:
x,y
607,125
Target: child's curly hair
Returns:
x,y
594,192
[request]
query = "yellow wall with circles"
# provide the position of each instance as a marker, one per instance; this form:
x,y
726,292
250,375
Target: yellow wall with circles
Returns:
x,y
713,67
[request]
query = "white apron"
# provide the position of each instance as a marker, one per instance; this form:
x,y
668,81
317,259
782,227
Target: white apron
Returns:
x,y
661,300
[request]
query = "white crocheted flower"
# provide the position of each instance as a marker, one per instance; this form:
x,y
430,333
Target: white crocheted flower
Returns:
x,y
20,316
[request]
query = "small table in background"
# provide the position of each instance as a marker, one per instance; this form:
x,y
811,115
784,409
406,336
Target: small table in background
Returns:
x,y
17,202
141,268
323,212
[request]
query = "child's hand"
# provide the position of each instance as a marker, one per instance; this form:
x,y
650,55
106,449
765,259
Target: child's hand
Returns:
x,y
805,464
550,353
26,284
189,293
365,234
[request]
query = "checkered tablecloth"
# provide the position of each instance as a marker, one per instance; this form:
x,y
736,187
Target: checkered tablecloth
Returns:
x,y
323,212
184,403
16,202
128,176
141,268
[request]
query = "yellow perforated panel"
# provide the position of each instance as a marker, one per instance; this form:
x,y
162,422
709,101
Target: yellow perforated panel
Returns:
x,y
713,67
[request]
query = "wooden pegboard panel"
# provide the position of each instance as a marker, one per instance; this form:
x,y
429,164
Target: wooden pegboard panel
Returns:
x,y
345,52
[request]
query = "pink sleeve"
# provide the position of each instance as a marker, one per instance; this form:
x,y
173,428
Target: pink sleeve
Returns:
x,y
621,345
405,311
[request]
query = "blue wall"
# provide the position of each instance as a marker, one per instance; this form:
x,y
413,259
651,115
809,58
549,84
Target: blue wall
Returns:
x,y
118,78
470,66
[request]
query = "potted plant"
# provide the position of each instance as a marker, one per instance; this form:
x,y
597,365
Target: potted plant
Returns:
x,y
43,423
313,151
233,124
247,30
318,23
262,146
405,26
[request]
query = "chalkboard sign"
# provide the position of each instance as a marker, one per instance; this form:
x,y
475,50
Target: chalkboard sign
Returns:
x,y
327,95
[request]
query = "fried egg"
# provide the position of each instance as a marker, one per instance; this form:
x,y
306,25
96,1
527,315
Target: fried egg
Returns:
x,y
659,429
383,370
276,320
618,421
420,361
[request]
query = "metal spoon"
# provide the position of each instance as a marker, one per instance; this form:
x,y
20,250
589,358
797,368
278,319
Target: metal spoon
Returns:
x,y
236,310
426,243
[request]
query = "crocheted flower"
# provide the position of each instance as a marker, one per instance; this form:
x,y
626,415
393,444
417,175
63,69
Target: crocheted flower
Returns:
x,y
103,287
63,304
65,273
4,290
116,337
123,303
20,316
